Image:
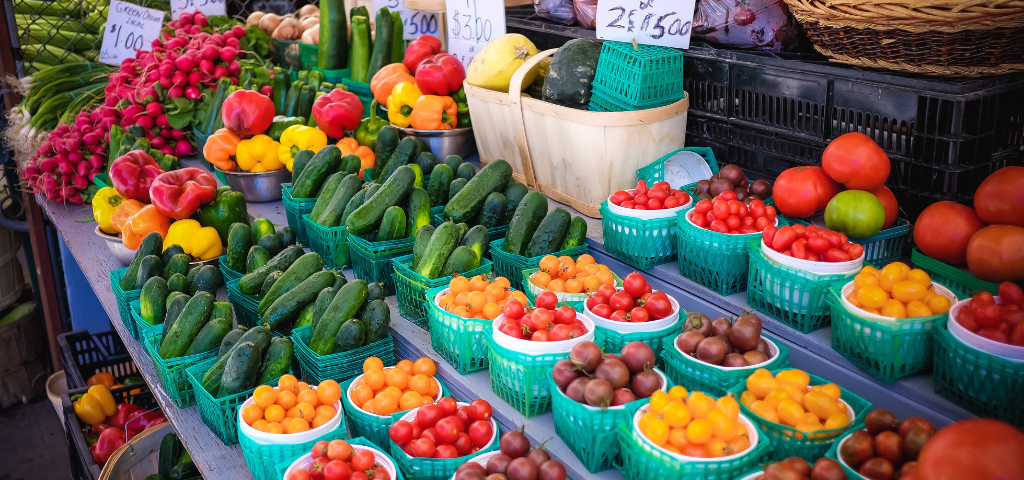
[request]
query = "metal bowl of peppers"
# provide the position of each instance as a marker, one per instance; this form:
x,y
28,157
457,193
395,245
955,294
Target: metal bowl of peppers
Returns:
x,y
258,187
455,141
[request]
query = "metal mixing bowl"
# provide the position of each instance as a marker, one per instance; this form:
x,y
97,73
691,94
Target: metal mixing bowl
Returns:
x,y
258,187
457,141
115,246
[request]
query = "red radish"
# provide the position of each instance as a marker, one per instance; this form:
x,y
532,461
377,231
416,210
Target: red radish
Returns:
x,y
228,54
233,43
161,121
195,29
228,34
192,93
177,134
179,79
185,19
154,109
158,142
220,71
185,63
267,90
234,68
167,150
75,157
195,77
165,82
175,92
166,132
200,19
206,66
96,161
183,148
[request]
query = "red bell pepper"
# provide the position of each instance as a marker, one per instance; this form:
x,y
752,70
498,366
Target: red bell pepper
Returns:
x,y
178,194
424,47
98,428
247,113
133,173
337,111
109,441
141,420
123,414
441,75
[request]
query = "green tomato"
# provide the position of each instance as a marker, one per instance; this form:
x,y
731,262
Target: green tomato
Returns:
x,y
856,213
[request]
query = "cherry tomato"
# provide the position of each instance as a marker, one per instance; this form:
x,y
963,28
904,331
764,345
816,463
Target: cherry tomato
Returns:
x,y
1011,294
547,300
699,220
671,202
654,204
448,406
619,316
703,207
836,255
559,332
727,195
834,240
710,217
339,470
359,476
380,473
768,234
770,213
762,223
658,306
783,238
400,432
620,196
855,251
577,330
447,429
428,415
639,314
747,221
658,194
756,208
817,244
733,222
363,460
984,296
320,449
628,204
634,284
719,226
445,451
565,315
993,334
603,310
300,474
988,315
541,336
721,209
606,290
513,309
641,187
744,229
463,444
799,248
640,199
1017,335
662,185
592,301
423,448
463,414
541,318
622,300
683,197
479,410
966,320
480,432
430,434
511,328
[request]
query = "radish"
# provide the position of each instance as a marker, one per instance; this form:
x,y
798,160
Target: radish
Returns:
x,y
48,164
75,157
192,93
200,19
166,133
267,90
96,161
179,79
145,121
206,67
158,142
166,82
234,68
220,71
82,169
167,150
234,80
185,19
238,31
65,167
228,34
195,29
166,69
156,44
185,63
132,112
233,43
161,120
183,148
195,77
177,134
154,109
210,53
228,54
175,92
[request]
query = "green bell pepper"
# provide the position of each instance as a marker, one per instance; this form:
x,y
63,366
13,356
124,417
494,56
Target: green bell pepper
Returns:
x,y
228,208
369,127
463,104
280,123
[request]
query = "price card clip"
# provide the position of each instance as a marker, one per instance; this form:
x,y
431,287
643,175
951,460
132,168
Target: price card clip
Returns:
x,y
635,46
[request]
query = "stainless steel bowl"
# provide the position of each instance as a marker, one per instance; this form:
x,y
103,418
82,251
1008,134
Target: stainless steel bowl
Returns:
x,y
116,247
258,187
199,263
457,141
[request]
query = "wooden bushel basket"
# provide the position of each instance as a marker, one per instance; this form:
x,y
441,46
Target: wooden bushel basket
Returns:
x,y
576,157
138,459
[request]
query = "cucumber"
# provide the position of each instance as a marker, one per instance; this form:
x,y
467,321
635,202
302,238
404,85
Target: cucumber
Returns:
x,y
170,450
350,336
376,318
299,162
427,161
355,202
260,227
514,194
344,306
420,245
271,242
209,279
277,360
439,183
153,300
331,216
350,164
149,267
462,259
477,240
417,210
375,291
268,283
230,340
418,182
257,257
453,162
325,195
222,310
466,170
421,146
385,26
173,312
287,236
470,199
239,244
183,471
463,230
241,370
305,316
299,271
210,336
524,222
402,156
549,234
371,190
169,252
250,283
258,336
324,163
187,326
287,307
151,245
339,279
191,277
441,244
493,213
387,141
170,296
392,226
323,300
398,39
577,234
366,218
333,36
454,188
176,264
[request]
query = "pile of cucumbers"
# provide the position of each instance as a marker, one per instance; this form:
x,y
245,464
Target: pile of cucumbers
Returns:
x,y
250,246
317,174
286,284
533,231
349,317
169,269
448,249
247,358
173,462
192,324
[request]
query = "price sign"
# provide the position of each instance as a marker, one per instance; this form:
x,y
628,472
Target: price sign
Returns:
x,y
208,7
414,22
653,22
129,28
472,24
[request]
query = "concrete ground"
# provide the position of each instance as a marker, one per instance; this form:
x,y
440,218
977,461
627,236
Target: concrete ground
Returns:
x,y
32,442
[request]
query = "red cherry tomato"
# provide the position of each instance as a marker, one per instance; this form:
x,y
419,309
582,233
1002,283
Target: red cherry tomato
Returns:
x,y
628,204
603,310
428,415
577,330
448,406
699,220
836,255
564,315
733,222
463,444
745,229
662,185
444,451
463,414
799,230
1011,294
768,234
727,195
641,199
541,318
640,207
747,221
703,207
756,208
988,315
855,251
834,240
671,202
547,300
711,217
654,204
619,316
719,226
594,300
560,332
479,410
363,460
770,213
541,336
339,470
783,238
511,328
513,309
817,244
621,301
762,223
657,193
641,187
635,285
606,290
400,432
799,248
721,209
423,448
480,432
620,196
639,314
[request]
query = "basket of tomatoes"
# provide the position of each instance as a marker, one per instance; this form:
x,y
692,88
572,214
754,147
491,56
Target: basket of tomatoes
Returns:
x,y
638,223
340,458
571,280
882,320
631,313
461,432
882,447
411,287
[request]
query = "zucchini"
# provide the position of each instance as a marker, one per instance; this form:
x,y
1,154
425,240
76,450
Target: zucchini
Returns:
x,y
477,240
577,234
462,259
323,164
239,244
170,451
178,283
375,291
149,267
417,211
250,283
169,252
176,264
493,213
280,84
277,360
299,163
331,216
455,187
392,226
529,213
291,101
153,300
466,170
438,185
268,283
209,279
326,192
230,340
305,106
351,164
397,40
344,306
260,227
381,56
258,257
376,318
549,234
271,242
441,244
210,336
350,336
420,245
296,273
323,300
353,203
183,471
359,60
366,218
403,154
333,54
469,201
187,326
174,310
287,307
387,141
241,370
427,161
514,194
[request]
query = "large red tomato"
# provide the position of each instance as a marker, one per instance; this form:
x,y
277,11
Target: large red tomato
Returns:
x,y
855,160
888,200
944,229
1000,197
996,253
803,191
975,449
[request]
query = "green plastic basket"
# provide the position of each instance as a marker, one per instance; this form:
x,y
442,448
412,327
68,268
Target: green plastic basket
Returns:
x,y
333,76
220,414
982,383
638,242
604,100
614,341
372,261
833,453
715,260
795,297
647,75
294,209
459,341
655,171
511,266
372,427
435,468
330,242
696,375
588,431
124,299
338,366
245,306
790,442
264,459
309,56
642,460
961,283
283,466
412,287
102,180
285,53
888,352
883,248
141,329
172,371
226,271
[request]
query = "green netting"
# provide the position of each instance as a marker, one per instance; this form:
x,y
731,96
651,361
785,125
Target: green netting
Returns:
x,y
655,171
790,442
696,375
833,453
330,242
226,271
459,341
511,266
124,299
638,242
641,76
246,307
338,366
220,414
282,466
141,329
412,287
640,459
370,426
434,468
720,268
294,209
883,248
984,384
264,459
172,371
961,283
372,261
795,297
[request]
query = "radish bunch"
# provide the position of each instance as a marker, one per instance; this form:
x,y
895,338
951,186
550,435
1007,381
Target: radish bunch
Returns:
x,y
71,156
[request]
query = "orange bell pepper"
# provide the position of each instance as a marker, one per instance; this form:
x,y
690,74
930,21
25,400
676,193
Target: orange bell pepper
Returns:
x,y
125,211
103,378
386,78
147,220
431,112
349,145
220,147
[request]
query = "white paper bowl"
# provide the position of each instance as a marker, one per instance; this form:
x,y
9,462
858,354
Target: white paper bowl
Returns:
x,y
116,247
352,386
820,268
664,388
939,289
408,416
1012,353
306,461
541,348
754,438
264,438
772,347
631,327
647,214
753,476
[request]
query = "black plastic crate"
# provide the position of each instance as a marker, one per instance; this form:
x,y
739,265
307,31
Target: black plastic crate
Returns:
x,y
761,152
85,355
945,181
82,465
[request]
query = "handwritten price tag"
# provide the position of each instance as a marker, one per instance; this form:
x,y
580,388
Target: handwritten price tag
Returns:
x,y
129,28
653,22
414,22
472,24
208,7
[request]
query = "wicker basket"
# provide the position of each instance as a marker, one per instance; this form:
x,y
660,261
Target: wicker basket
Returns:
x,y
952,38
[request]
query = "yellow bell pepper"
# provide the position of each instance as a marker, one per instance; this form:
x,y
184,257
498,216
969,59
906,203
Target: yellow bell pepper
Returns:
x,y
104,203
258,151
103,394
198,241
299,137
89,408
400,103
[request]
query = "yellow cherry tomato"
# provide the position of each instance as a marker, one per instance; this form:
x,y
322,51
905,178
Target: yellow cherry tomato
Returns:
x,y
832,390
776,397
791,413
872,297
795,377
908,291
765,410
894,309
864,279
837,420
869,269
889,276
919,276
938,304
917,309
820,404
852,298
